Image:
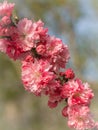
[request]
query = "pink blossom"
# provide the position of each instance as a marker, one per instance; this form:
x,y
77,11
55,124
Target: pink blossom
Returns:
x,y
54,46
25,33
30,33
58,53
69,88
82,96
40,33
13,51
10,48
20,38
36,76
77,92
80,118
6,8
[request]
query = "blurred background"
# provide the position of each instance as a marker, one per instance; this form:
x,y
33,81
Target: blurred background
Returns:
x,y
76,23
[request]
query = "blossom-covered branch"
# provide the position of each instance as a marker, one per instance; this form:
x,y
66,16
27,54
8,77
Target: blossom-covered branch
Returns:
x,y
44,58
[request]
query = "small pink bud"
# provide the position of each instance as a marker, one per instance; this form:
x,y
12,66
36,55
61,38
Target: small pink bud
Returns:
x,y
69,73
29,58
41,49
64,111
52,104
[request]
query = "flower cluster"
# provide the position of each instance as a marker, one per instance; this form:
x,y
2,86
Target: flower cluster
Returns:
x,y
44,58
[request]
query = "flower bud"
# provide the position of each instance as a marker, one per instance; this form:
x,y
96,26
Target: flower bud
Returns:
x,y
69,73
